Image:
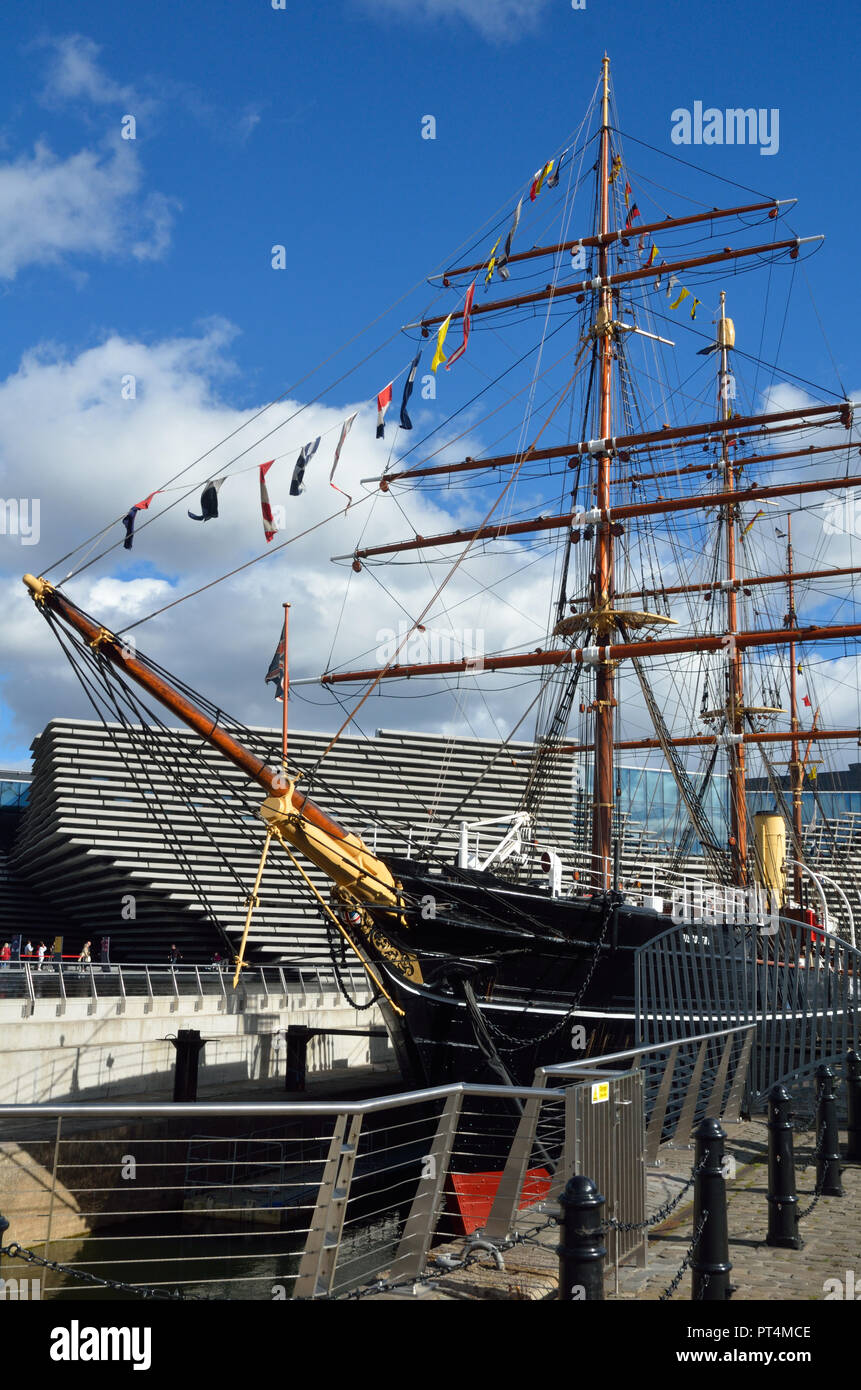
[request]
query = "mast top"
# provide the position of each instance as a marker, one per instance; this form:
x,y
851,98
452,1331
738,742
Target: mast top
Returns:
x,y
605,119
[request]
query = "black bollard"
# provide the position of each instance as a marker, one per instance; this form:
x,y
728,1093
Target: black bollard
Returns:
x,y
710,1265
827,1136
782,1197
853,1100
189,1045
297,1056
582,1254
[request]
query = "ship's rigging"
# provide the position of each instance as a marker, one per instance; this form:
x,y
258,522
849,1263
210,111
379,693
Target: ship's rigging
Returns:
x,y
632,502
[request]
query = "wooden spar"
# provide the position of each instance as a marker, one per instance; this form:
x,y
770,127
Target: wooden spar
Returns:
x,y
565,656
114,650
623,234
705,740
740,424
624,277
745,461
603,800
795,773
627,510
735,669
747,583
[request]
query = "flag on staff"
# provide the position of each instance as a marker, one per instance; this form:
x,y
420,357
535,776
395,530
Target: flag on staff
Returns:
x,y
275,674
384,400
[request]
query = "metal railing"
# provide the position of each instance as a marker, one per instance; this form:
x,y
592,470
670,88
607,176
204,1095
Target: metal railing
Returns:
x,y
799,986
334,1196
282,985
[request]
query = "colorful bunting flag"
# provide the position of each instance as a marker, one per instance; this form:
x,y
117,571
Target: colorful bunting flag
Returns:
x,y
208,501
653,256
540,176
616,169
807,701
384,400
406,422
553,179
491,264
633,212
129,518
660,275
275,674
683,294
673,281
467,311
750,523
502,267
306,453
695,306
269,527
439,355
345,430
627,193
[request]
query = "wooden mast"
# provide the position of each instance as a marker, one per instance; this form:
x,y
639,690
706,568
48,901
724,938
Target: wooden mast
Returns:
x,y
795,772
735,672
603,797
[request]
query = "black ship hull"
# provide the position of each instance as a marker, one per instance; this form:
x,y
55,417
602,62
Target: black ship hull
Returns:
x,y
485,966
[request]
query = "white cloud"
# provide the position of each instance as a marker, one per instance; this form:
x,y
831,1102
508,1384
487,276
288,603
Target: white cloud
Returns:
x,y
68,437
496,19
75,74
90,203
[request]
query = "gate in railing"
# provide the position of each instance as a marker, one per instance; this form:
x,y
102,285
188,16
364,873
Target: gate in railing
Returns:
x,y
800,986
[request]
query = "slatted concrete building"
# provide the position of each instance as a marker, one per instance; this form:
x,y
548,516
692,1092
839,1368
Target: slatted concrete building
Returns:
x,y
151,837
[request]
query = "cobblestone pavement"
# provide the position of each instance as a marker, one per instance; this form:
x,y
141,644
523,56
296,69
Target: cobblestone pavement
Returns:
x,y
831,1234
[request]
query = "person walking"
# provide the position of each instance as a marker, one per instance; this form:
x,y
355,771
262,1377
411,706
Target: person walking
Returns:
x,y
5,956
28,949
41,954
84,958
173,956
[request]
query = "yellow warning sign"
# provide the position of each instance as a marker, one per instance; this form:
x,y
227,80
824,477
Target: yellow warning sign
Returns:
x,y
600,1092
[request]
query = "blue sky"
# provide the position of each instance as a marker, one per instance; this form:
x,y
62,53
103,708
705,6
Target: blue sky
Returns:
x,y
259,126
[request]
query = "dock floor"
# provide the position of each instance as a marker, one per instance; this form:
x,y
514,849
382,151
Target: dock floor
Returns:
x,y
831,1234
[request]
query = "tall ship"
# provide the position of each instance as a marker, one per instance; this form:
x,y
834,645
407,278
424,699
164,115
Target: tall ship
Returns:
x,y
694,570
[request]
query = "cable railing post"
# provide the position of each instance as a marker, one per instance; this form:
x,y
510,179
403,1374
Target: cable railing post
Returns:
x,y
121,1007
30,991
150,996
320,1259
507,1199
415,1242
